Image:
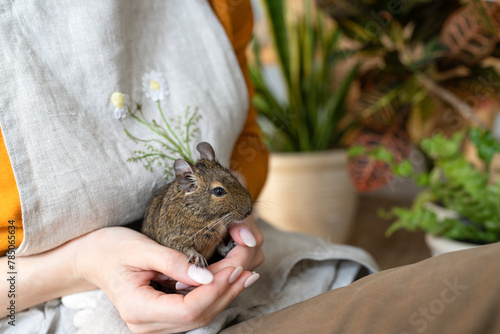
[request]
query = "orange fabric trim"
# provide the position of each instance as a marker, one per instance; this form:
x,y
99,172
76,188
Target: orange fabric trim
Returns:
x,y
250,156
10,208
222,10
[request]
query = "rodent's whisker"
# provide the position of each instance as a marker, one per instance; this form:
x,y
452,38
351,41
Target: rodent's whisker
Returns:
x,y
214,224
264,204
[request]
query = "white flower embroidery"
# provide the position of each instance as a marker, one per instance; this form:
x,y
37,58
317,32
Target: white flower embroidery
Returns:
x,y
120,101
154,86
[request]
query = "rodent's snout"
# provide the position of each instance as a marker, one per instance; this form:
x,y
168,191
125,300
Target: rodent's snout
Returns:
x,y
244,211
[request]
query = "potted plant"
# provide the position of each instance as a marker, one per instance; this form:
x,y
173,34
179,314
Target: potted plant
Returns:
x,y
426,65
460,204
308,188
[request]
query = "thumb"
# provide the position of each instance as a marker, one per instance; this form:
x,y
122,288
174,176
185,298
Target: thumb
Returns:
x,y
246,233
173,264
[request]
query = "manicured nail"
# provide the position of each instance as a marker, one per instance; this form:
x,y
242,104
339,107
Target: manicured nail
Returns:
x,y
247,237
236,273
251,280
162,277
200,275
181,286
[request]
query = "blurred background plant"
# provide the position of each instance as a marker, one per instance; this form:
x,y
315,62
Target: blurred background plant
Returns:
x,y
309,113
302,103
428,69
428,65
460,200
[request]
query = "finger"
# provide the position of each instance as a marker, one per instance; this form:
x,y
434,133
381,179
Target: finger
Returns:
x,y
195,309
257,260
246,233
147,310
171,263
238,256
240,283
181,313
208,300
248,258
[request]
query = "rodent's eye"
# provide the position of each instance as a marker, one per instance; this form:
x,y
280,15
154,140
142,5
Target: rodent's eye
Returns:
x,y
219,191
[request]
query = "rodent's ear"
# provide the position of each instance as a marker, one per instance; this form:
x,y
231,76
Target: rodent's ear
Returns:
x,y
184,174
206,151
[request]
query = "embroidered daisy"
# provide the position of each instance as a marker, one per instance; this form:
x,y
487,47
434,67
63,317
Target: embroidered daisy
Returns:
x,y
154,86
120,101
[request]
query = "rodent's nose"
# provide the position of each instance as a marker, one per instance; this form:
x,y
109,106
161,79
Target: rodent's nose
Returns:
x,y
245,212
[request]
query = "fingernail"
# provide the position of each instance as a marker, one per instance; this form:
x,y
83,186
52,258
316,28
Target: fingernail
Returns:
x,y
200,275
162,277
181,286
236,273
251,280
247,237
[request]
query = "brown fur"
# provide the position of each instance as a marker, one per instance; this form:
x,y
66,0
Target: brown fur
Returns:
x,y
195,222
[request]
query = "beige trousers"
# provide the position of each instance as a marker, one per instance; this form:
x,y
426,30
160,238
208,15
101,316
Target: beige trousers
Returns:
x,y
453,293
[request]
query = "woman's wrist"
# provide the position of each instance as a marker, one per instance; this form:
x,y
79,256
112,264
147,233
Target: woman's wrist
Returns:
x,y
85,258
60,275
81,253
48,275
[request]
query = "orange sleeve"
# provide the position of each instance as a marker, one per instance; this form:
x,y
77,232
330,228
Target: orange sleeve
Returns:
x,y
250,155
10,206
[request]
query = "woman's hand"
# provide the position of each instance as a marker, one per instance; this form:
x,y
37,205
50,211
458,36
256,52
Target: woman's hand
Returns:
x,y
122,263
247,253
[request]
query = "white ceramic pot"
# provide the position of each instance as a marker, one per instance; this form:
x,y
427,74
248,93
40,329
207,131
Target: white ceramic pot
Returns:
x,y
440,245
309,193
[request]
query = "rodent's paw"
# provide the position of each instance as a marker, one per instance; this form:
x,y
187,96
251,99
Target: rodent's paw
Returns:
x,y
224,249
197,259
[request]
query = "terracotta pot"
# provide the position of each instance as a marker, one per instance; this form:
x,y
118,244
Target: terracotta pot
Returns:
x,y
309,193
440,245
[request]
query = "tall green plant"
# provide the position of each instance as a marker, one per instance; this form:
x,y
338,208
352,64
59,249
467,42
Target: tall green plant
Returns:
x,y
308,53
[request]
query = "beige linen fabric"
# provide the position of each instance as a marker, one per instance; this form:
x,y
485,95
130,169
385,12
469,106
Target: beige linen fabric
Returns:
x,y
61,61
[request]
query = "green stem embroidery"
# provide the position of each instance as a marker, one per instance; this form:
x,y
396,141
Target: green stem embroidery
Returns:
x,y
179,143
189,122
171,145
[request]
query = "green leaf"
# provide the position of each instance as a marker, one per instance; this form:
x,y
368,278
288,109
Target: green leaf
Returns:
x,y
262,104
404,169
382,102
383,154
356,150
276,10
308,53
457,185
422,179
439,146
485,143
334,111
